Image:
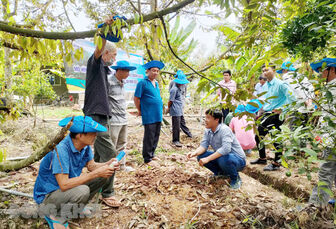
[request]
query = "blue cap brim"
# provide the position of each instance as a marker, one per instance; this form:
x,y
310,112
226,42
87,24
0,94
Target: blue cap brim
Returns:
x,y
130,68
179,81
78,125
330,62
279,71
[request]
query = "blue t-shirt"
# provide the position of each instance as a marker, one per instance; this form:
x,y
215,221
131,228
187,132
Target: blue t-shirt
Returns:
x,y
69,161
150,101
175,96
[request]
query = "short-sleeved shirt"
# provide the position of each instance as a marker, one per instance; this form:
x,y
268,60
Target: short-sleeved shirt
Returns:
x,y
231,85
150,101
222,141
96,89
69,161
117,101
281,92
183,88
175,96
246,138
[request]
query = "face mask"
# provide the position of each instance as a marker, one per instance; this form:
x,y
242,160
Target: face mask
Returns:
x,y
107,63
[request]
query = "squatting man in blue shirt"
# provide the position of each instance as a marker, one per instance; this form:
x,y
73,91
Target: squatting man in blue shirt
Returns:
x,y
61,189
228,157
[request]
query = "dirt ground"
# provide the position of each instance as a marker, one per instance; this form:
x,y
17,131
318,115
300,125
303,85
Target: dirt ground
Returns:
x,y
177,194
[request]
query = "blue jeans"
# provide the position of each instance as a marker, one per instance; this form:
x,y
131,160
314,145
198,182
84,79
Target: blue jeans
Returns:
x,y
228,165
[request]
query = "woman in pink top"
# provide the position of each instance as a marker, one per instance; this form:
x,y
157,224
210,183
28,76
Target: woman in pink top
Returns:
x,y
238,125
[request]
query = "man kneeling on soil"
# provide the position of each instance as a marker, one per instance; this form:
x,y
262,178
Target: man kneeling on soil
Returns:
x,y
228,157
61,189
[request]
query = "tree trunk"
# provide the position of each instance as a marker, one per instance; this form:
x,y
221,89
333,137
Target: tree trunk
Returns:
x,y
38,155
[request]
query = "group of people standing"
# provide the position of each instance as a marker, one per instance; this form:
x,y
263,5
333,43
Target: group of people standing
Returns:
x,y
61,186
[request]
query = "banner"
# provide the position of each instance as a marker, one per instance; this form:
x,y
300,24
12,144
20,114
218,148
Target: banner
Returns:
x,y
76,73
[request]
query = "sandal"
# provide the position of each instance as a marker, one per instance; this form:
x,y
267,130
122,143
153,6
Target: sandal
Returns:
x,y
51,222
111,202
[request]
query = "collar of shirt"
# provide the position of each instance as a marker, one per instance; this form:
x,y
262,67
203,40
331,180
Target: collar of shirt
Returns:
x,y
217,129
121,82
146,78
272,82
73,148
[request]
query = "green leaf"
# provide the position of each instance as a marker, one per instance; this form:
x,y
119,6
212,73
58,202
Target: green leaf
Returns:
x,y
106,30
327,190
284,163
100,42
310,152
252,6
136,18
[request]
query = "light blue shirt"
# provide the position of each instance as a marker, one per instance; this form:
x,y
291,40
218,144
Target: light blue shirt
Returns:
x,y
68,161
281,92
258,89
222,141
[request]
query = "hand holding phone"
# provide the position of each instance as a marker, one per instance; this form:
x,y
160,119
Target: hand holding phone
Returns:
x,y
119,157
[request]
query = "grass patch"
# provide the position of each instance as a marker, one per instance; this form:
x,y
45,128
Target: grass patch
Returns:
x,y
56,112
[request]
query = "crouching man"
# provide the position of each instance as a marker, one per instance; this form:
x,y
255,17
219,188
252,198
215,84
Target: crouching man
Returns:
x,y
228,157
61,189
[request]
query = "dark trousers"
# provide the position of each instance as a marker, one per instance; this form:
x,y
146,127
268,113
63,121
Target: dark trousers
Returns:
x,y
104,150
268,121
176,123
184,127
150,140
225,113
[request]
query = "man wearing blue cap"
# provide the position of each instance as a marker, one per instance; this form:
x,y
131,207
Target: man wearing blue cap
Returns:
x,y
278,95
175,106
148,102
61,189
183,89
96,105
303,90
118,120
327,173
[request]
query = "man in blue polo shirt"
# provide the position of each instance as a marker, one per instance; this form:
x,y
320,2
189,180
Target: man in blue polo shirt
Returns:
x,y
148,102
61,189
278,95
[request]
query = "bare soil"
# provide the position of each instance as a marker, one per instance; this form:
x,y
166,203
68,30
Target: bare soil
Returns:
x,y
177,194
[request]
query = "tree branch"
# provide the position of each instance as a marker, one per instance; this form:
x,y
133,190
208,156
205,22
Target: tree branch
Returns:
x,y
133,6
77,35
67,16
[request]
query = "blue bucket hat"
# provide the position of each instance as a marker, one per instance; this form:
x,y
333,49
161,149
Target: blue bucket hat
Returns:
x,y
330,62
112,37
253,106
82,124
288,66
123,64
239,109
180,78
153,64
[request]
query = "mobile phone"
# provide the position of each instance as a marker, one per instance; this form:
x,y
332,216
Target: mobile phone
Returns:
x,y
119,157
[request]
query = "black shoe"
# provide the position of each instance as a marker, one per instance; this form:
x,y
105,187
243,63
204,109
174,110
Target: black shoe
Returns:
x,y
271,167
259,161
